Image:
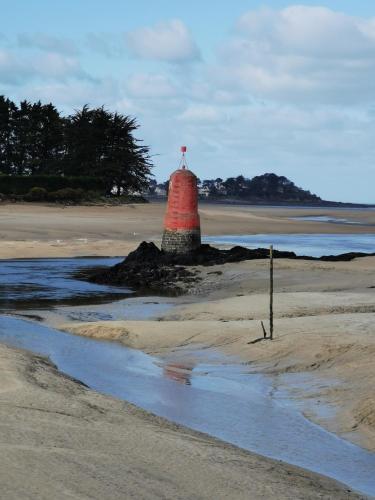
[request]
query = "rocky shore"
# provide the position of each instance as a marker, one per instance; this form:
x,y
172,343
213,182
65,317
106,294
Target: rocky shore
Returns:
x,y
150,270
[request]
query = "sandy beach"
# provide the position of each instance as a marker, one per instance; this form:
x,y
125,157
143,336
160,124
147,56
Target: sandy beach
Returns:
x,y
32,230
91,446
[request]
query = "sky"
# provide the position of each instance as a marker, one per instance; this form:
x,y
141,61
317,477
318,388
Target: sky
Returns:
x,y
249,87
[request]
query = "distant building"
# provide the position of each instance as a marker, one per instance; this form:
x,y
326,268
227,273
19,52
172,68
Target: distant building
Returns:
x,y
204,191
221,189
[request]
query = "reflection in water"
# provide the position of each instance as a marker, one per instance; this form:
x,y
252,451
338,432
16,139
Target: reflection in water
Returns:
x,y
43,283
225,402
179,372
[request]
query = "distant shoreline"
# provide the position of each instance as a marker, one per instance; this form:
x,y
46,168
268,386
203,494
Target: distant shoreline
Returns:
x,y
271,203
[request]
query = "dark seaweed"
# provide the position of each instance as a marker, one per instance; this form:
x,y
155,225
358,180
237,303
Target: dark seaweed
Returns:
x,y
149,269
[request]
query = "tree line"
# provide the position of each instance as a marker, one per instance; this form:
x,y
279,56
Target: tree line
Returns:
x,y
266,187
36,140
261,187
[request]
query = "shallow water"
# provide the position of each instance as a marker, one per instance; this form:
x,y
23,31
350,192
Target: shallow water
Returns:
x,y
329,219
314,245
138,308
33,283
223,401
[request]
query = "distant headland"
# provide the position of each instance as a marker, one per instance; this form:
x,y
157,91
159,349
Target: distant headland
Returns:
x,y
266,189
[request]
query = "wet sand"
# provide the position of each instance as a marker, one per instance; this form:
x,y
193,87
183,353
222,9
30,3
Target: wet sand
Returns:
x,y
324,346
60,440
33,230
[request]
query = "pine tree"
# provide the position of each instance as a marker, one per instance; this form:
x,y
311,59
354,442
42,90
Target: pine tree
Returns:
x,y
7,117
46,148
126,163
36,140
101,144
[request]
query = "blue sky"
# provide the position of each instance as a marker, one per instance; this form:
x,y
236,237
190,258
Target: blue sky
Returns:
x,y
251,87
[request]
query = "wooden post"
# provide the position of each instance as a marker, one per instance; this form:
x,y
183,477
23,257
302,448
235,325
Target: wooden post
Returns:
x,y
271,292
264,330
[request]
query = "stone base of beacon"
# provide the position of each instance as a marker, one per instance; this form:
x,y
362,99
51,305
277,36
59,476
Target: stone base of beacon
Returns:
x,y
181,242
182,232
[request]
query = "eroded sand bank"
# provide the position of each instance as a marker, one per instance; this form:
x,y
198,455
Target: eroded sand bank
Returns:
x,y
60,440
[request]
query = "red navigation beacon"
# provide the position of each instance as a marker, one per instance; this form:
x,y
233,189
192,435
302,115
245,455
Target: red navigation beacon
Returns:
x,y
182,232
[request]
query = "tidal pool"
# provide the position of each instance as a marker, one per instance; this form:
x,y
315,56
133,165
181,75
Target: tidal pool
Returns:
x,y
222,400
33,283
314,245
329,219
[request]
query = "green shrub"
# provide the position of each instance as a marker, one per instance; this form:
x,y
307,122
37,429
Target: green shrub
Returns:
x,y
36,194
92,195
66,194
132,198
22,184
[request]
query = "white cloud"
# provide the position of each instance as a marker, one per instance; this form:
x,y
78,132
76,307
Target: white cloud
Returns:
x,y
300,54
56,66
168,41
68,95
150,86
47,42
200,113
12,70
17,69
106,44
306,30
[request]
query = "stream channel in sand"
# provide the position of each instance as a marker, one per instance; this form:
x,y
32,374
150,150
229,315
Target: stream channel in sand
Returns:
x,y
216,396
